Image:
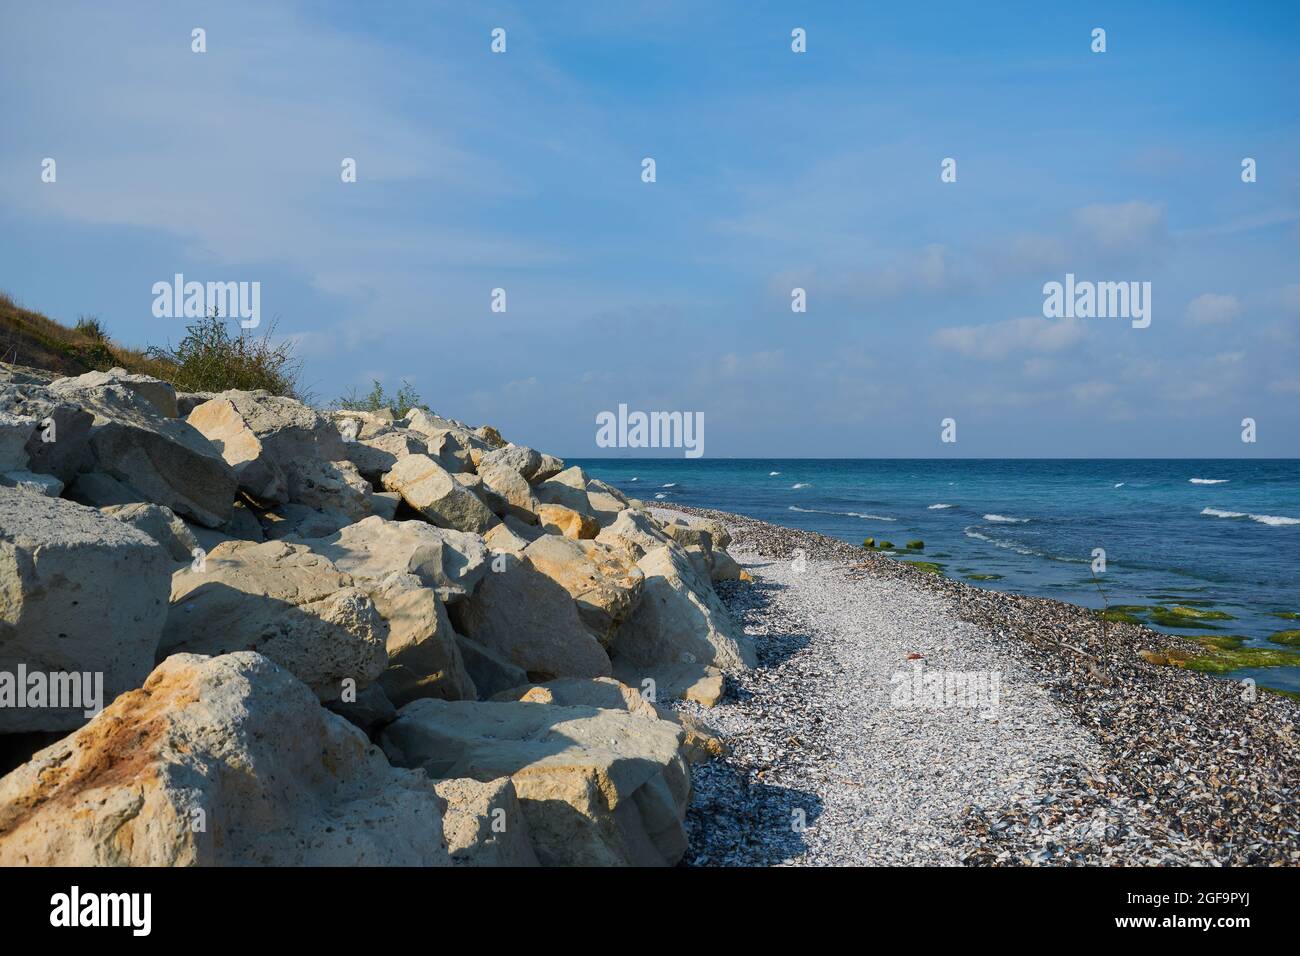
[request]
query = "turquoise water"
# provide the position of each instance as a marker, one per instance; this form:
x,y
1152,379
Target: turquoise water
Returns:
x,y
1220,534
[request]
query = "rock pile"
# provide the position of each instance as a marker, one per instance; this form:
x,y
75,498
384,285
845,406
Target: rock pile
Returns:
x,y
336,638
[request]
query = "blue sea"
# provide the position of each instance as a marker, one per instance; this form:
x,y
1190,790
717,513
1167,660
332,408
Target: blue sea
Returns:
x,y
1212,534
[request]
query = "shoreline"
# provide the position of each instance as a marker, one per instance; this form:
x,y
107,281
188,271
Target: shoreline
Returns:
x,y
1124,761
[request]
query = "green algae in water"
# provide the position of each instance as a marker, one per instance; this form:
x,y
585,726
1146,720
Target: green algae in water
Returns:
x,y
1285,637
1222,660
982,577
1115,616
929,567
1287,615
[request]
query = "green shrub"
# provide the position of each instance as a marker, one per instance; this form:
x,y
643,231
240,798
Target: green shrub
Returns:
x,y
212,359
399,404
91,328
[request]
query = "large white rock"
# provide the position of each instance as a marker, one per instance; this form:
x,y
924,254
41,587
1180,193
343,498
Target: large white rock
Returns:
x,y
605,584
449,561
484,824
568,488
260,476
680,619
218,762
159,523
511,488
431,490
532,622
424,659
79,592
376,456
635,532
160,395
598,787
167,461
282,601
14,432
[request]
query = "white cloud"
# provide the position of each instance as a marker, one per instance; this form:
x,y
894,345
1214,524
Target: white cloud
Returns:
x,y
1213,309
1129,226
997,340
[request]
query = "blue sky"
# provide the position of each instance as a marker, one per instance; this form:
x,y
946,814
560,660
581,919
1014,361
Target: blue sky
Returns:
x,y
774,170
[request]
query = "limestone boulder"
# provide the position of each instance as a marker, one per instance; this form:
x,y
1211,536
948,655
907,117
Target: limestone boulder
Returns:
x,y
568,488
510,486
557,519
424,659
332,486
15,430
484,824
295,522
451,562
58,443
490,671
525,617
680,619
31,483
699,742
159,523
598,787
376,456
166,460
79,593
284,602
237,744
605,584
431,490
160,395
634,532
260,476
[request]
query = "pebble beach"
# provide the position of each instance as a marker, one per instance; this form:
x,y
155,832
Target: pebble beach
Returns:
x,y
1091,756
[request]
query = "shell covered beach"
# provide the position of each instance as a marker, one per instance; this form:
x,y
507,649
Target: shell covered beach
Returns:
x,y
1093,754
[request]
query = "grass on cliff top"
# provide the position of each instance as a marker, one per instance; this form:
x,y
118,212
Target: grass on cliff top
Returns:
x,y
35,340
215,354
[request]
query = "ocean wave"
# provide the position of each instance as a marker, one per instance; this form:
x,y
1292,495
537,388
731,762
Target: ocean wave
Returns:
x,y
801,484
1004,519
1208,481
660,496
843,514
671,484
1273,520
938,507
1120,485
974,532
773,474
634,479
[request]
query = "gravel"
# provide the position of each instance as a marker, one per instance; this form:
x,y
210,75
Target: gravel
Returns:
x,y
1090,756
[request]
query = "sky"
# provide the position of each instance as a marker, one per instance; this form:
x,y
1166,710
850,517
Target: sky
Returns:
x,y
774,170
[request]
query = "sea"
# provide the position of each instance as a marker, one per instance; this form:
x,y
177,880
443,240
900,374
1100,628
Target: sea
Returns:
x,y
1215,535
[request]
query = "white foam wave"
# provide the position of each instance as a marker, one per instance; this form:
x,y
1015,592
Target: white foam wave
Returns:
x,y
801,484
661,495
938,507
1120,485
671,484
1208,481
843,514
1272,520
1005,519
772,474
